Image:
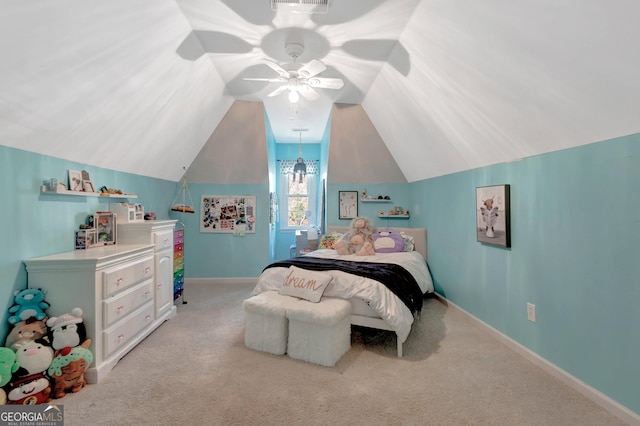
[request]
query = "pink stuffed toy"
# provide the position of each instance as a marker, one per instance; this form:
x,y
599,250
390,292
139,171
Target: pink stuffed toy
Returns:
x,y
358,239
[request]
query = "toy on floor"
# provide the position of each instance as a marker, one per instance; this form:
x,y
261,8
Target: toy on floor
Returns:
x,y
29,390
67,330
28,303
68,367
29,329
34,356
358,239
8,366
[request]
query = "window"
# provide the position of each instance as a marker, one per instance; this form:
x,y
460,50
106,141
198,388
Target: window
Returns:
x,y
298,206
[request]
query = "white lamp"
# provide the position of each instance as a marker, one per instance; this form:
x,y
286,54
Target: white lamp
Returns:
x,y
293,96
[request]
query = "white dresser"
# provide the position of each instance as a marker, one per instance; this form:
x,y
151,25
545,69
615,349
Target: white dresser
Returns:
x,y
160,234
114,285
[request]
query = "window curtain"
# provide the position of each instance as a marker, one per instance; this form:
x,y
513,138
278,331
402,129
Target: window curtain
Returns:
x,y
286,166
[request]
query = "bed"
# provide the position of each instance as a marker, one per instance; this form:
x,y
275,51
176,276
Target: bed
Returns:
x,y
374,304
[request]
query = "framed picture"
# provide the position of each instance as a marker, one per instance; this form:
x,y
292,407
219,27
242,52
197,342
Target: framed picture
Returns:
x,y
348,204
87,186
493,217
105,225
75,180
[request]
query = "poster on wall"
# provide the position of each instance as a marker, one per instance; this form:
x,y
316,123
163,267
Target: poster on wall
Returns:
x,y
232,214
493,216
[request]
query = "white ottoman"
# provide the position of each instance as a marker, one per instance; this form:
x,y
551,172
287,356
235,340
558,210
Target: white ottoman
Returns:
x,y
319,333
266,324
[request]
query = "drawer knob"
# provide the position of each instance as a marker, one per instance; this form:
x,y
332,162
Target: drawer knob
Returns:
x,y
120,309
120,338
147,269
119,281
147,317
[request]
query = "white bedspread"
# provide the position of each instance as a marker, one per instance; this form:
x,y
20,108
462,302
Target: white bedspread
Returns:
x,y
377,295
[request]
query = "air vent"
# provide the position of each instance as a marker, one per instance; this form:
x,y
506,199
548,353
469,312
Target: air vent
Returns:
x,y
301,6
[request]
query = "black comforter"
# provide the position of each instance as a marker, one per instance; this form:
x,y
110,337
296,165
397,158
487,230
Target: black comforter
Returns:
x,y
394,277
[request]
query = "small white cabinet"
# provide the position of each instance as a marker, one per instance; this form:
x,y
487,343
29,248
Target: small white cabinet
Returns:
x,y
115,288
160,234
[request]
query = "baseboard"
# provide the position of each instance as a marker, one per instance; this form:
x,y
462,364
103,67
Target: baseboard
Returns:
x,y
615,408
219,281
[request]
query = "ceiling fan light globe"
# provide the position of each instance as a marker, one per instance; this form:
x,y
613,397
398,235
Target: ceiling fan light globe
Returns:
x,y
293,97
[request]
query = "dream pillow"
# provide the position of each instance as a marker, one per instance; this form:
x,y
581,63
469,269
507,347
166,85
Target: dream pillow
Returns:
x,y
305,284
388,241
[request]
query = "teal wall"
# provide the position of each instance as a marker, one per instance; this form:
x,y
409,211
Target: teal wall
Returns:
x,y
575,220
575,231
213,255
35,224
398,192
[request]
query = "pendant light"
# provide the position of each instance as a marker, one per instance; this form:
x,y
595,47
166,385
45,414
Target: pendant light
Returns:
x,y
300,167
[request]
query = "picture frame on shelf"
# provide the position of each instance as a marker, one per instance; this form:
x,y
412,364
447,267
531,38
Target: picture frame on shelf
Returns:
x,y
105,225
493,215
75,180
347,204
87,186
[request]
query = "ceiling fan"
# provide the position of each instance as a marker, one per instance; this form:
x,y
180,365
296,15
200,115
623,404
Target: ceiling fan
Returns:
x,y
299,80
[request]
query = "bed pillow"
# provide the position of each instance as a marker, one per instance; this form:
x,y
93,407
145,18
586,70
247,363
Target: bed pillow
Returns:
x,y
304,284
388,241
327,241
409,242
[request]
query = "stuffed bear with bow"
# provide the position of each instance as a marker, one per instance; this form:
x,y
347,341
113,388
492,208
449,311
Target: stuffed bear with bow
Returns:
x,y
358,239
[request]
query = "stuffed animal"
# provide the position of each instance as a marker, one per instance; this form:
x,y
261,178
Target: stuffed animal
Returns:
x,y
388,241
358,239
67,330
68,367
34,356
29,329
28,303
29,390
8,366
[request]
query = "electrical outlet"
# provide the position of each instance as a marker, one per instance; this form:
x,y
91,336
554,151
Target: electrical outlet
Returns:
x,y
531,312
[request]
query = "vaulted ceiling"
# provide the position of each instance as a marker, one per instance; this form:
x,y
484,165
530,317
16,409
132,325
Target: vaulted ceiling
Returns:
x,y
141,85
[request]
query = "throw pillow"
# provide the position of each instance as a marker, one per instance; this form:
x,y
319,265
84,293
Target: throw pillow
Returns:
x,y
327,241
388,241
304,284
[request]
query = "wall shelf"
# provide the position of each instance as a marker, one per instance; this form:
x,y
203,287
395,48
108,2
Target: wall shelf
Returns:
x,y
86,194
374,200
394,216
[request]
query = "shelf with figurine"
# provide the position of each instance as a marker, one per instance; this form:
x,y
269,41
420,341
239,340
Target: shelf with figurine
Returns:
x,y
64,191
374,199
397,213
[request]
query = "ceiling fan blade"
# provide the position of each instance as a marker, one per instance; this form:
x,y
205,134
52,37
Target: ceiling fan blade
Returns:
x,y
308,93
270,80
312,68
326,82
278,91
276,67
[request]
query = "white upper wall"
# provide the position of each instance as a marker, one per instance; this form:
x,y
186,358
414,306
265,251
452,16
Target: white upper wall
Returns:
x,y
140,86
492,81
101,83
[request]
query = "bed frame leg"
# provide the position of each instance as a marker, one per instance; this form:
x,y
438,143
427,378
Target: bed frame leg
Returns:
x,y
399,347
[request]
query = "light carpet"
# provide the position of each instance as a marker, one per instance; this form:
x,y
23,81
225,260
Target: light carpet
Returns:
x,y
195,370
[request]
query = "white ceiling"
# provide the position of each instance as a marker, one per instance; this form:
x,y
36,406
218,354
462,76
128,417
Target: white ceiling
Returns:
x,y
448,85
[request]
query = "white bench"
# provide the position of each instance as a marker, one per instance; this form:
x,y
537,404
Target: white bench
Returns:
x,y
266,324
319,333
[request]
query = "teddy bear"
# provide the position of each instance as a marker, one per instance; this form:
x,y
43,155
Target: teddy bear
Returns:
x,y
68,367
67,330
358,239
29,329
28,303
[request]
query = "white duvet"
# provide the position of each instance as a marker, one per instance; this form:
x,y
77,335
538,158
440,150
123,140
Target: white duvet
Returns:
x,y
377,295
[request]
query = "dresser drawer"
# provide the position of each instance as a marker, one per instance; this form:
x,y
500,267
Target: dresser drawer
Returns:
x,y
118,336
126,302
178,263
119,279
163,240
178,236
